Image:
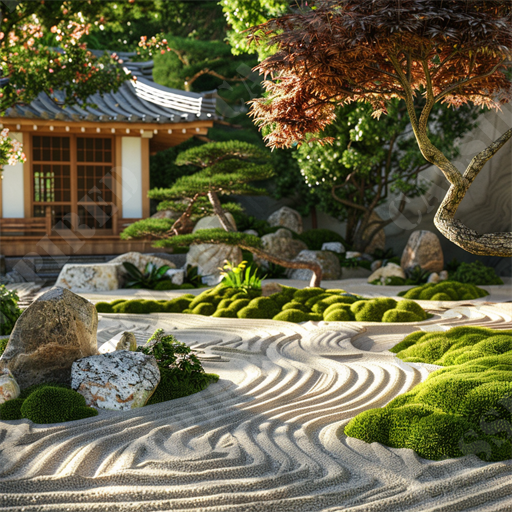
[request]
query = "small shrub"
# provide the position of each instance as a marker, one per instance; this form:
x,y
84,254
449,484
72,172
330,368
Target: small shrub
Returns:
x,y
151,276
397,315
9,310
240,277
475,273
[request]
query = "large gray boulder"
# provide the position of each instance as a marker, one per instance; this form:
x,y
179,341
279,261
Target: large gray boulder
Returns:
x,y
120,380
282,245
423,249
326,259
58,328
210,258
287,218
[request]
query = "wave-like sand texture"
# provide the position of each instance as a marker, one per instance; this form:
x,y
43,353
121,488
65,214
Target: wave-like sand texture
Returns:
x,y
264,438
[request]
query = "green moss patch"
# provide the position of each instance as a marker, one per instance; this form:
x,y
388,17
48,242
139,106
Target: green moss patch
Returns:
x,y
446,290
47,403
463,408
314,304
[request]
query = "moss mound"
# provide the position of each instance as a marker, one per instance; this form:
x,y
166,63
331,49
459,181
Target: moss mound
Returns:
x,y
54,405
446,290
475,273
463,408
11,410
315,304
104,307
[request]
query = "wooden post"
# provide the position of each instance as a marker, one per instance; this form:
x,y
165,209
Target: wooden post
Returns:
x,y
48,218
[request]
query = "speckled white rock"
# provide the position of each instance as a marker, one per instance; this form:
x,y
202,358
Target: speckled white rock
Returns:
x,y
89,277
443,275
120,380
390,270
287,218
9,388
333,247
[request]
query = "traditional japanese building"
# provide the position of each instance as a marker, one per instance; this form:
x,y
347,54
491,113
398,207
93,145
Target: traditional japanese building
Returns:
x,y
87,171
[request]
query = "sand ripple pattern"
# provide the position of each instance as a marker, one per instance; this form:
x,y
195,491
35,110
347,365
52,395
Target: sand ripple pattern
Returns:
x,y
264,438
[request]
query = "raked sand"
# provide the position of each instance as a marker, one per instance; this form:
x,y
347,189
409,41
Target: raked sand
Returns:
x,y
266,437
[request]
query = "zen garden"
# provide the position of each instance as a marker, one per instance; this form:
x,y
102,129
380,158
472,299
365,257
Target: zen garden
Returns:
x,y
256,255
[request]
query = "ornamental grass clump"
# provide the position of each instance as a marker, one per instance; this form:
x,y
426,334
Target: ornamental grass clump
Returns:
x,y
446,290
463,408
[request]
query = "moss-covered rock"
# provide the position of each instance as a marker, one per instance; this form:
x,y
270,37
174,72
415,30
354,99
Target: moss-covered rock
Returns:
x,y
238,304
445,290
398,315
372,310
336,307
295,305
413,307
292,315
306,293
204,308
462,408
338,315
132,307
104,307
54,405
224,313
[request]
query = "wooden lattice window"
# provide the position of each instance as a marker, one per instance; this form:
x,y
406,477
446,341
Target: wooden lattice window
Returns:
x,y
95,183
73,175
51,158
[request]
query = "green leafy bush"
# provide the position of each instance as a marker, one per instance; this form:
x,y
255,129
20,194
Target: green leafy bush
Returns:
x,y
9,310
463,408
475,273
151,276
181,372
11,410
445,290
51,404
240,277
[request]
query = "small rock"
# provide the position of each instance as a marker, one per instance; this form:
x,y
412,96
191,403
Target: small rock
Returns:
x,y
9,388
213,222
423,249
177,275
251,232
270,288
58,328
390,270
443,275
433,278
287,218
127,342
352,254
376,264
333,247
140,260
327,260
119,380
92,277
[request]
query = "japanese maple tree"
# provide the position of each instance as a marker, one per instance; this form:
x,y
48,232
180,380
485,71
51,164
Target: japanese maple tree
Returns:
x,y
420,51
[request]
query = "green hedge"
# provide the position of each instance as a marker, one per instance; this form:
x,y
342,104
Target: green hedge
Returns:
x,y
446,290
463,408
289,305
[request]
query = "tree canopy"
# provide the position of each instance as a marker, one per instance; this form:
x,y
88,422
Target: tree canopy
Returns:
x,y
421,51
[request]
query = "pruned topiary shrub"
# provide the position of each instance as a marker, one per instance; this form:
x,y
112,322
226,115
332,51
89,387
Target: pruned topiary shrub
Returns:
x,y
445,290
315,304
463,408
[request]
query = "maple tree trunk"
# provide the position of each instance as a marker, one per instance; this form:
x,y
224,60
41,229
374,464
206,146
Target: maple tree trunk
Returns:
x,y
316,278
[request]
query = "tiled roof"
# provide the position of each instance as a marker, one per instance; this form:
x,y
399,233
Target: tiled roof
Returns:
x,y
141,101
